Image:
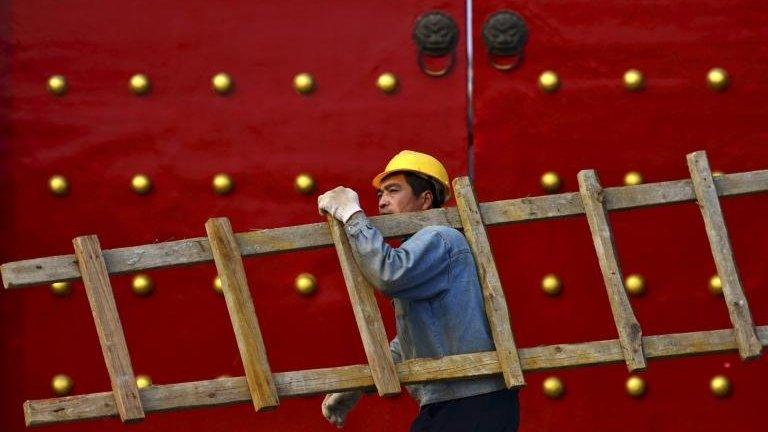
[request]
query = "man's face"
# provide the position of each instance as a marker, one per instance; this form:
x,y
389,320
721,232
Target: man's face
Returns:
x,y
396,196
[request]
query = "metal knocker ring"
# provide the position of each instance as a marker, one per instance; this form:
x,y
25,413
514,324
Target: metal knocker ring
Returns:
x,y
505,35
435,35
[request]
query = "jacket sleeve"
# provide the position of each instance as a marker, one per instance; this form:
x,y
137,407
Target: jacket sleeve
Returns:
x,y
394,348
418,269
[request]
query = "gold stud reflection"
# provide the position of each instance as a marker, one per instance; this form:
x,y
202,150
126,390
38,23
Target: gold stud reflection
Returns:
x,y
139,84
717,79
143,381
635,284
716,285
222,184
550,181
633,80
720,386
62,384
387,82
635,386
304,83
632,178
551,284
217,286
304,183
57,85
142,285
221,83
61,289
549,81
553,387
305,284
141,184
58,185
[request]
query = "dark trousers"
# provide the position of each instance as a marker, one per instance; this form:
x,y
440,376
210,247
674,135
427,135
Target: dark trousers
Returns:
x,y
498,411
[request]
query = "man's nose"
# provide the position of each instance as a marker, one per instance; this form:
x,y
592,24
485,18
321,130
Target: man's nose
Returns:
x,y
383,203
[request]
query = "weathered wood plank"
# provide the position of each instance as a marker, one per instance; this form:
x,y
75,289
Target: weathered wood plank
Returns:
x,y
738,308
225,391
493,294
367,314
630,334
99,291
229,264
20,274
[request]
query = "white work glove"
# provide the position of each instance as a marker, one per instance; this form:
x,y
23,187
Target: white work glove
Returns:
x,y
336,406
340,202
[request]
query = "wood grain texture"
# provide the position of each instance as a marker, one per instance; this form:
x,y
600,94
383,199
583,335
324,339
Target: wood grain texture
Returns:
x,y
229,264
224,391
99,291
493,294
20,274
736,301
630,334
367,314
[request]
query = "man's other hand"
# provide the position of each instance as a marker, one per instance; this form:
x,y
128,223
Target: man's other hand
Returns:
x,y
340,202
336,406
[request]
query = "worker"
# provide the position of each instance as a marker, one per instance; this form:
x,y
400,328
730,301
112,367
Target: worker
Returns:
x,y
432,281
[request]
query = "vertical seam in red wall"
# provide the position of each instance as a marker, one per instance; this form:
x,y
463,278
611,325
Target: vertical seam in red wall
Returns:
x,y
470,77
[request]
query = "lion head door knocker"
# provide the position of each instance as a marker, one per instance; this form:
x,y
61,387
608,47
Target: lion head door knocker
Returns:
x,y
436,35
505,34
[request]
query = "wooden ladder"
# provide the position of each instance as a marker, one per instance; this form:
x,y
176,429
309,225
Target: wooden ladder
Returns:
x,y
265,388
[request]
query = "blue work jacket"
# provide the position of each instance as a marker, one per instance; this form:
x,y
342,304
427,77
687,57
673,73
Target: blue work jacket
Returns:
x,y
439,311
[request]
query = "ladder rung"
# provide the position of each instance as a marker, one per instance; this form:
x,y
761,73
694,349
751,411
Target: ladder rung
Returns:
x,y
229,264
107,320
367,315
493,294
738,308
630,334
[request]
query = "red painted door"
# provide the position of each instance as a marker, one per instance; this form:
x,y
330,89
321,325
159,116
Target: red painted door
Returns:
x,y
263,134
591,121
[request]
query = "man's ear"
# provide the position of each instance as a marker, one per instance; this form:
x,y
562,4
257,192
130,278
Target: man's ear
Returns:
x,y
428,200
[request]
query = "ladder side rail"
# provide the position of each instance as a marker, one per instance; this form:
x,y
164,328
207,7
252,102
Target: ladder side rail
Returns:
x,y
717,233
367,315
242,313
493,294
224,391
98,289
630,333
30,272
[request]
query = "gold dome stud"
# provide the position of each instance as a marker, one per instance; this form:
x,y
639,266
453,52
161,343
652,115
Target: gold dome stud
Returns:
x,y
221,83
143,381
635,284
141,184
304,83
717,173
550,182
632,178
304,183
139,84
720,386
716,285
633,80
58,185
717,79
57,85
305,284
551,285
62,384
61,289
142,285
635,386
553,387
217,286
549,81
387,82
222,183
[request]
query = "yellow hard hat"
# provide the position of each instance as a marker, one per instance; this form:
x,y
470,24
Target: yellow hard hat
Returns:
x,y
419,163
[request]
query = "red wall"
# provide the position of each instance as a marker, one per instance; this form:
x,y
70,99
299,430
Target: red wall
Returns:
x,y
263,134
